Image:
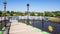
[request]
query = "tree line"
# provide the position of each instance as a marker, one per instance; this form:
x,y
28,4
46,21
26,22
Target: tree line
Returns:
x,y
45,13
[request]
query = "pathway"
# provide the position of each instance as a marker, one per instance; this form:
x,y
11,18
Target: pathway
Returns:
x,y
19,28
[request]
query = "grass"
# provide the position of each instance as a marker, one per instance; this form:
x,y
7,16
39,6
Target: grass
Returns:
x,y
1,32
3,28
54,19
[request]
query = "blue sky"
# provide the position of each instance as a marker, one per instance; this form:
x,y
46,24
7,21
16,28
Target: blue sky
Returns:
x,y
35,5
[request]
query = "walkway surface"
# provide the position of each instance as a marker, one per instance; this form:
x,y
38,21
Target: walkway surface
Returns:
x,y
19,28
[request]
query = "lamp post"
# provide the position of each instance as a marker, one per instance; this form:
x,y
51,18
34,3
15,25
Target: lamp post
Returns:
x,y
5,11
27,14
43,21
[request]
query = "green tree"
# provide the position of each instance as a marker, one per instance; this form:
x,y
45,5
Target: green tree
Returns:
x,y
0,13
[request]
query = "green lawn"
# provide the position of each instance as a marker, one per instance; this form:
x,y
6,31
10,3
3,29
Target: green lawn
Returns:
x,y
1,32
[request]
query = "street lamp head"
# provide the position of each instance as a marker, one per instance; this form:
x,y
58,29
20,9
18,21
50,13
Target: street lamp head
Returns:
x,y
5,2
27,4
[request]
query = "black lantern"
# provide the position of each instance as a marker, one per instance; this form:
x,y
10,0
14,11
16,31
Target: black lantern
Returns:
x,y
27,4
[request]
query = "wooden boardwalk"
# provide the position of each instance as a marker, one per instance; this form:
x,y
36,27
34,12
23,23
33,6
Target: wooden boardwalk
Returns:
x,y
19,28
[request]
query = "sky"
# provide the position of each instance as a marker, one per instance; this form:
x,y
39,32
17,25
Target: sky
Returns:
x,y
35,5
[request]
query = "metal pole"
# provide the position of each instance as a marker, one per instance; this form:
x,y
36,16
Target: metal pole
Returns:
x,y
28,13
1,23
5,11
43,22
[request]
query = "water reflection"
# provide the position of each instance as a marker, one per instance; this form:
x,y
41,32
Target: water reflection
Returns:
x,y
56,27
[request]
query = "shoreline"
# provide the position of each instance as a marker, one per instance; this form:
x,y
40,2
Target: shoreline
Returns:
x,y
54,19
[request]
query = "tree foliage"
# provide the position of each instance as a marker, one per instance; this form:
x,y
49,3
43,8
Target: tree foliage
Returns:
x,y
47,13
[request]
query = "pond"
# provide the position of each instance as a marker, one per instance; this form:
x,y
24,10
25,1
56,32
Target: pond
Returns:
x,y
56,27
